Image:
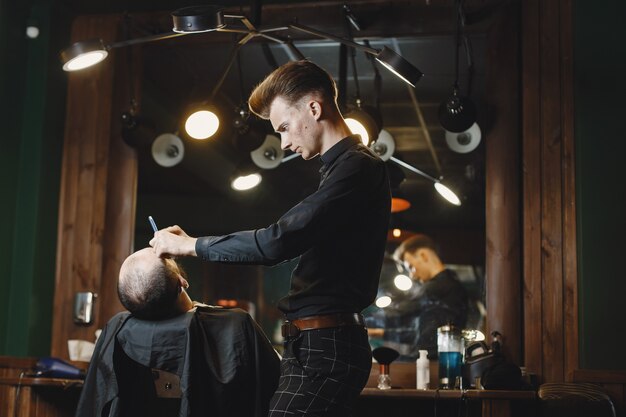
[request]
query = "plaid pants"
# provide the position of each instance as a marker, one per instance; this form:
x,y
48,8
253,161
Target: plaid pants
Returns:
x,y
322,373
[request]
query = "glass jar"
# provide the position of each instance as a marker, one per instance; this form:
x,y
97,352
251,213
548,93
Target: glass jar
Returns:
x,y
450,353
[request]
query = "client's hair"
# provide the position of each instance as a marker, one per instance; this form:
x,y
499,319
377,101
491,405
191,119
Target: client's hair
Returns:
x,y
149,293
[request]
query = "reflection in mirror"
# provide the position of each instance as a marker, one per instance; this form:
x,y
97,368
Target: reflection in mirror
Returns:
x,y
196,192
418,293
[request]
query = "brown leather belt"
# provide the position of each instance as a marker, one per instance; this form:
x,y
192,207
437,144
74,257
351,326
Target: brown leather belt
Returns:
x,y
292,328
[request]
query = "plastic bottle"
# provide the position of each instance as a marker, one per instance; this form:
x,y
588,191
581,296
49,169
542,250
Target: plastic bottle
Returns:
x,y
422,370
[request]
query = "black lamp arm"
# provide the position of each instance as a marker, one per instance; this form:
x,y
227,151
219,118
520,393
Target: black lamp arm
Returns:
x,y
144,39
413,169
321,34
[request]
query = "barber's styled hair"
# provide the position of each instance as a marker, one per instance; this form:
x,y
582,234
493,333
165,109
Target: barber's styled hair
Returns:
x,y
291,82
149,294
412,244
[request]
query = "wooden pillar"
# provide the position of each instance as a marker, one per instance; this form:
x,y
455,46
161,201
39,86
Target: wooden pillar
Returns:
x,y
502,140
96,205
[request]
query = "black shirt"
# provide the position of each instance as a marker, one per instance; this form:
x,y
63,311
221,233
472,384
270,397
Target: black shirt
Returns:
x,y
339,232
442,300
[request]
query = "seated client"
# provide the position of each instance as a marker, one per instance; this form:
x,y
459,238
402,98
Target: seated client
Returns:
x,y
171,356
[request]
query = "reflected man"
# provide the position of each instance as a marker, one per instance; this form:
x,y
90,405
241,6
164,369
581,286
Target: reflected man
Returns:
x,y
441,299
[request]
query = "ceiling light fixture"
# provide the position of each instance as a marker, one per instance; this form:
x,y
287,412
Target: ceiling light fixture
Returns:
x,y
168,150
384,147
391,60
458,113
202,123
84,54
384,301
246,182
402,282
208,18
269,155
360,120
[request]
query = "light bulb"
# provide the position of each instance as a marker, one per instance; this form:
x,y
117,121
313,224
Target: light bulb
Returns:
x,y
246,182
202,124
447,193
357,128
85,60
402,282
384,301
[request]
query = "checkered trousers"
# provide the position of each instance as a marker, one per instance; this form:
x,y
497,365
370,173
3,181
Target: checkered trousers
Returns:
x,y
322,373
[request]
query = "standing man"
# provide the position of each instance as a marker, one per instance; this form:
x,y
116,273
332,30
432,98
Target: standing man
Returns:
x,y
339,232
441,300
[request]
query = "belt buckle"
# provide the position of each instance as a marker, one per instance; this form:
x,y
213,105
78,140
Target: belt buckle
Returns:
x,y
289,330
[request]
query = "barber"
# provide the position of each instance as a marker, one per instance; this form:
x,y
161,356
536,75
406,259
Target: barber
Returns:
x,y
339,232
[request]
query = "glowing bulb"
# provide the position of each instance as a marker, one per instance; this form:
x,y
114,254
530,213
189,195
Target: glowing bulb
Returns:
x,y
383,301
396,232
246,182
402,282
447,193
202,124
357,128
85,60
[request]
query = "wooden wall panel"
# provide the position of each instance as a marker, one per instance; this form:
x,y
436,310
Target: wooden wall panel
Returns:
x,y
550,281
550,192
531,182
96,205
570,260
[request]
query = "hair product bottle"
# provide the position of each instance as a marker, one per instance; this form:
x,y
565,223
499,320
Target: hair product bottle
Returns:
x,y
422,368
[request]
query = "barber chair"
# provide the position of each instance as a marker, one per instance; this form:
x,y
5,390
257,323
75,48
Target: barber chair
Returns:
x,y
148,360
574,400
212,361
145,391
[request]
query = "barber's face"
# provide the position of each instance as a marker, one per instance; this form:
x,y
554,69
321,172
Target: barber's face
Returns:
x,y
417,265
297,125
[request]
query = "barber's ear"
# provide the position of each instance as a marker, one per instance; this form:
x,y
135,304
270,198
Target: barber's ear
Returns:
x,y
423,255
315,108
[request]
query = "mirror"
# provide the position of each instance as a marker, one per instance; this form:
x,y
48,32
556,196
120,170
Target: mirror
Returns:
x,y
196,193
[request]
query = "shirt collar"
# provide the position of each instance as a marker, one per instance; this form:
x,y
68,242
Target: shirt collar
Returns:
x,y
338,148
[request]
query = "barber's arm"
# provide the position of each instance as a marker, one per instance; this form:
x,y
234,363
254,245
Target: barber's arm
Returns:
x,y
298,229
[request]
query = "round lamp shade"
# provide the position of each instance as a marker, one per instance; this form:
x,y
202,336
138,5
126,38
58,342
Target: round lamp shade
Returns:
x,y
196,19
168,150
269,155
466,141
399,204
81,55
399,66
457,114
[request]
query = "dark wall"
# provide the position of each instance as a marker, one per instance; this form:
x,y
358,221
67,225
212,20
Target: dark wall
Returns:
x,y
32,91
600,110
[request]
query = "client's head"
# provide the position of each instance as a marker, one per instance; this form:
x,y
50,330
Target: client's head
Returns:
x,y
152,288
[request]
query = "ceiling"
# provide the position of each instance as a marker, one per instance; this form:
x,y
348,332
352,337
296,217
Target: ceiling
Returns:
x,y
196,193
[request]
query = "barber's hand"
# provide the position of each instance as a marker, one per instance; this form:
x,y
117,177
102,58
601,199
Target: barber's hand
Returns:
x,y
173,241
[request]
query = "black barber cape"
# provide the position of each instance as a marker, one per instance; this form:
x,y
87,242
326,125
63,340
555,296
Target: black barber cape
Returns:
x,y
226,365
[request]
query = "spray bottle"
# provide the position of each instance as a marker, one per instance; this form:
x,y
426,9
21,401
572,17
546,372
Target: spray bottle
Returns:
x,y
422,370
